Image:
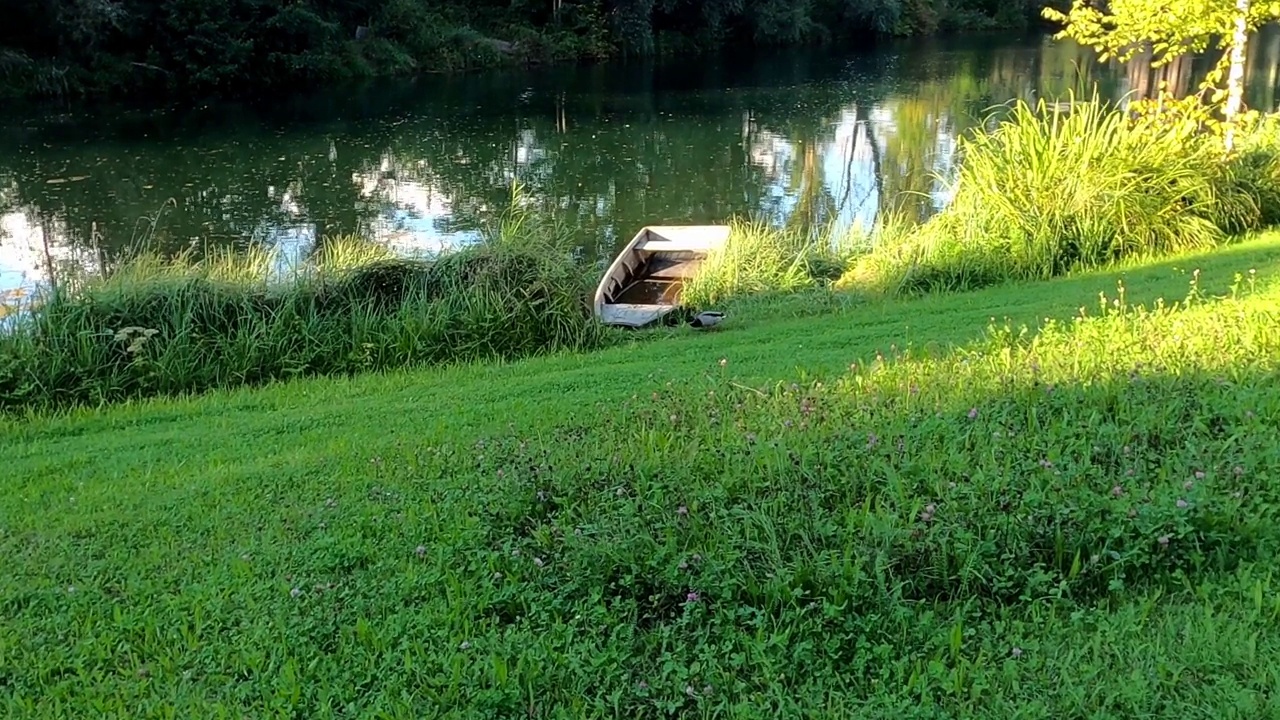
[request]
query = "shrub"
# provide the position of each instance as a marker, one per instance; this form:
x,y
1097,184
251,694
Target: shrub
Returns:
x,y
1257,165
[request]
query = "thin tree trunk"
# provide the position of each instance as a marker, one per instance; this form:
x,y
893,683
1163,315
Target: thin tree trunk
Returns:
x,y
877,167
1235,77
46,232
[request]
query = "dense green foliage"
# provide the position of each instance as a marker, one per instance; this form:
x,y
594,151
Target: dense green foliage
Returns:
x,y
169,327
1049,192
1078,520
62,46
1123,29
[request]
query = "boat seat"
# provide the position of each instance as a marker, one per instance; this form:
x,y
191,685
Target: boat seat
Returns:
x,y
628,315
675,271
699,246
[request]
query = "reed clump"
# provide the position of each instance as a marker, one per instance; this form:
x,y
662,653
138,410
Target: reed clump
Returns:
x,y
1048,192
761,259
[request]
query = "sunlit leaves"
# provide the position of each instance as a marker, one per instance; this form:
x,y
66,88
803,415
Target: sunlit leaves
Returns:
x,y
1169,28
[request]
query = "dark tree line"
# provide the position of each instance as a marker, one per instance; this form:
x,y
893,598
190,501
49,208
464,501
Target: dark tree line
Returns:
x,y
53,47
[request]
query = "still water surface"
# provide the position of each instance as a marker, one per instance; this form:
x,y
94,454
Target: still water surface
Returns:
x,y
421,165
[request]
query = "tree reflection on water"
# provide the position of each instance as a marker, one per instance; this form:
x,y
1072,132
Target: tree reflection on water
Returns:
x,y
800,138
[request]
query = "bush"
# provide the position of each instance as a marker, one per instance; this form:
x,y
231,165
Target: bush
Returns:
x,y
1049,192
1257,167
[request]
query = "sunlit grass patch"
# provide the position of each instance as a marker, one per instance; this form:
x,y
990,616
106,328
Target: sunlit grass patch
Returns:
x,y
760,259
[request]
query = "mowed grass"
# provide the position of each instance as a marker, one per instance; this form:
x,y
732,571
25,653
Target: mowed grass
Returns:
x,y
767,521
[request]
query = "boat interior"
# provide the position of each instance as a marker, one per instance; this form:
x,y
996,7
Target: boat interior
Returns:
x,y
654,278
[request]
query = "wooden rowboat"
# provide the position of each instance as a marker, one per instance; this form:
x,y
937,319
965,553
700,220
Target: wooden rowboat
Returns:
x,y
644,283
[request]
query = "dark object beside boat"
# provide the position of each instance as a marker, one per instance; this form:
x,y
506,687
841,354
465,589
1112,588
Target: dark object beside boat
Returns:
x,y
707,320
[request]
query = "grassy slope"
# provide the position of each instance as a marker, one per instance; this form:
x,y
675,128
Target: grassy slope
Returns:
x,y
772,342
183,525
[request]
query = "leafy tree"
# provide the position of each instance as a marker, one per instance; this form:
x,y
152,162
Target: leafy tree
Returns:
x,y
1121,29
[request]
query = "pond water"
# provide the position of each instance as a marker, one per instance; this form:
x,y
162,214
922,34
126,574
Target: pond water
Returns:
x,y
803,137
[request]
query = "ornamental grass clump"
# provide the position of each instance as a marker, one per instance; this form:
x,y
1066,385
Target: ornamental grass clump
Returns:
x,y
1050,191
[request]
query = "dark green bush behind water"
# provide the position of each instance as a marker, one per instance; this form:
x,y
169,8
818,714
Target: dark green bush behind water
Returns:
x,y
58,47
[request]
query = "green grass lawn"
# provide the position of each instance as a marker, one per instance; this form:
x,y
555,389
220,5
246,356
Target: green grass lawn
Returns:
x,y
1076,522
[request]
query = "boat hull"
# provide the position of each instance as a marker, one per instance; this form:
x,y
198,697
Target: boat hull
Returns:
x,y
645,281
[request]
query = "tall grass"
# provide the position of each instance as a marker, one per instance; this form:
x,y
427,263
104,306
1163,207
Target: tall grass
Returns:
x,y
1257,166
760,259
159,326
1049,192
